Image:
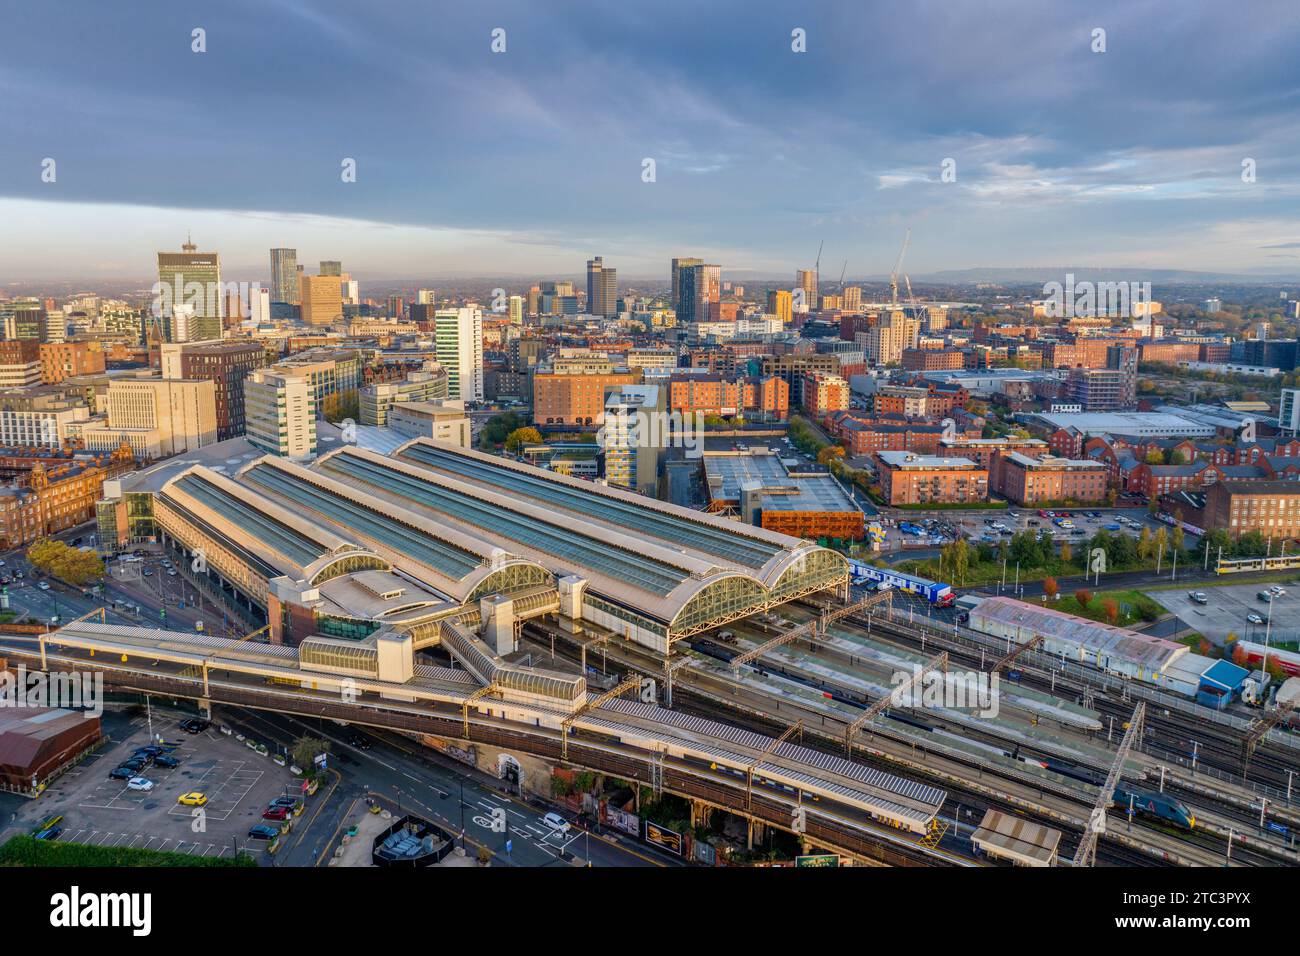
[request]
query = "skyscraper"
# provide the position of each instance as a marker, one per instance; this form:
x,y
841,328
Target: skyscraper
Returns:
x,y
517,310
678,266
458,343
806,279
699,294
193,279
602,288
284,275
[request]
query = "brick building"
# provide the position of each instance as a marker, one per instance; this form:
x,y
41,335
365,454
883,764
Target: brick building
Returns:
x,y
1031,481
907,478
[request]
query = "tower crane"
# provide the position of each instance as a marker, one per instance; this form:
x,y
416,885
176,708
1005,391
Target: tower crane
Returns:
x,y
898,264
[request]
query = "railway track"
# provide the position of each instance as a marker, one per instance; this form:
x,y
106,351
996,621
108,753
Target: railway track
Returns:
x,y
1054,806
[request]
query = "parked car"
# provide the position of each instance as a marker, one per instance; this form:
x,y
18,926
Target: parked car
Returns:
x,y
192,799
135,764
276,813
194,725
43,586
262,832
1254,618
1265,596
139,783
1199,597
121,773
168,763
287,802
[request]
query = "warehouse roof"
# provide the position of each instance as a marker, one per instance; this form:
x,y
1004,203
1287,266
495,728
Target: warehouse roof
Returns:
x,y
1153,653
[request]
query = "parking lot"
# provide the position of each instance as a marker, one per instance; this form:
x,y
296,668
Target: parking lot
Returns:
x,y
1228,608
237,782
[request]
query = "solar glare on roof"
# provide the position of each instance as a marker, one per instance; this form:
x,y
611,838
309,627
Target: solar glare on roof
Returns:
x,y
681,530
447,558
546,536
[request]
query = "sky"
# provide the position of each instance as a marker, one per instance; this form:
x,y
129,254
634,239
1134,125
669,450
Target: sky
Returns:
x,y
528,161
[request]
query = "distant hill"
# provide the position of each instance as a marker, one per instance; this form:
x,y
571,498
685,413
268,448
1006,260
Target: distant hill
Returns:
x,y
1040,274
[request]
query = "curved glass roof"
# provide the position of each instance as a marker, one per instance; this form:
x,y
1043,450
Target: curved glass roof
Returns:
x,y
681,530
533,531
369,521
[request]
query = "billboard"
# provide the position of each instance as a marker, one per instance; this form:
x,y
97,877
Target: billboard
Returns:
x,y
663,837
819,859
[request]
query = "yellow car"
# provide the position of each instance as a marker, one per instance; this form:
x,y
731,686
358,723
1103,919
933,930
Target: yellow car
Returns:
x,y
193,799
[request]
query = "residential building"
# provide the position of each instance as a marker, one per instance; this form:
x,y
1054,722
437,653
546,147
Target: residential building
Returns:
x,y
633,436
825,394
907,478
1031,481
1270,507
40,415
458,339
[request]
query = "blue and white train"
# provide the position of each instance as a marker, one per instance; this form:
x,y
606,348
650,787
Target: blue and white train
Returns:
x,y
940,595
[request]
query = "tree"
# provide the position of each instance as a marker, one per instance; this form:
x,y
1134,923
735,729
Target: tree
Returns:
x,y
65,562
830,452
1177,538
1239,655
1067,553
522,436
1111,610
1084,597
305,749
1162,541
1145,551
1050,588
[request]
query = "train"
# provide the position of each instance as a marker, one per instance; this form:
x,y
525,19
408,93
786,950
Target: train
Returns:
x,y
1289,661
1158,805
938,594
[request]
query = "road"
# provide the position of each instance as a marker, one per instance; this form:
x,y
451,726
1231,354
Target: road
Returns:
x,y
408,778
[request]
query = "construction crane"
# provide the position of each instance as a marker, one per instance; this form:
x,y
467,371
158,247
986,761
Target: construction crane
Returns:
x,y
811,628
1086,855
939,661
911,299
843,270
898,264
631,682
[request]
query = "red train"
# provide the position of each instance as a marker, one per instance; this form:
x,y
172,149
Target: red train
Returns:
x,y
1289,661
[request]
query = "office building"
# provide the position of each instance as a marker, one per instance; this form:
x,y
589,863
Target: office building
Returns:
x,y
224,363
157,417
40,415
602,288
780,303
322,300
191,279
427,385
441,420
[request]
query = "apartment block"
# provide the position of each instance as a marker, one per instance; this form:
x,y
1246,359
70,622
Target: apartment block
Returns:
x,y
907,478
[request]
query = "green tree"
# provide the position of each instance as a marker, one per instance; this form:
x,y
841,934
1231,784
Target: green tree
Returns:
x,y
305,749
522,436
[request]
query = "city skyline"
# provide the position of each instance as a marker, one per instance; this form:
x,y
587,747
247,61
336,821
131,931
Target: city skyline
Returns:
x,y
1131,157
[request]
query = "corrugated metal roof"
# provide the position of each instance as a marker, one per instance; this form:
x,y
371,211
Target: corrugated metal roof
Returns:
x,y
1153,653
1016,838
